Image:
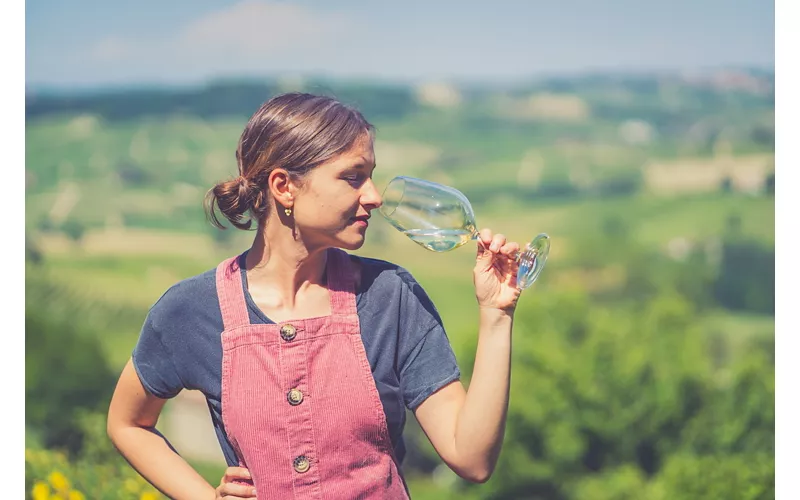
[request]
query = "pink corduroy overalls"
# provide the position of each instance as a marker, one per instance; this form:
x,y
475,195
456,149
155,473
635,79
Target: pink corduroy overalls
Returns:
x,y
299,402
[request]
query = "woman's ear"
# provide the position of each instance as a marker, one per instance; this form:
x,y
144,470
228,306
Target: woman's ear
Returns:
x,y
281,187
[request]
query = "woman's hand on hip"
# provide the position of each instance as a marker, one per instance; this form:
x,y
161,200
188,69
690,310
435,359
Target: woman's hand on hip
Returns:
x,y
495,272
229,489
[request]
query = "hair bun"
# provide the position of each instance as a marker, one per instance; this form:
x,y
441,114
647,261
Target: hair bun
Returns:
x,y
233,199
244,187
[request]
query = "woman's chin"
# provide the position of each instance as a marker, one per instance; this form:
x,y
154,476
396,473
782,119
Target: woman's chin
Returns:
x,y
352,245
351,241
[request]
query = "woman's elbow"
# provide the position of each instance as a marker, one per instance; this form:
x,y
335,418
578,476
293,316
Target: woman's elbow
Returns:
x,y
117,427
479,477
475,474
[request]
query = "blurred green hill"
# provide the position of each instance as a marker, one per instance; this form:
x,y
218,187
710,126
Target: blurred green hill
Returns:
x,y
552,140
643,357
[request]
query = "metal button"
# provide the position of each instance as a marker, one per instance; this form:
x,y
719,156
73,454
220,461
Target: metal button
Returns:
x,y
288,332
301,464
295,397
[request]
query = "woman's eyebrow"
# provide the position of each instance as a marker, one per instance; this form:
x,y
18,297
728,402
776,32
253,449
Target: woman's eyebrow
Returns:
x,y
362,163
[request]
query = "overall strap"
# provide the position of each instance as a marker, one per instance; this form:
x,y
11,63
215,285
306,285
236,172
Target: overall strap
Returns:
x,y
231,294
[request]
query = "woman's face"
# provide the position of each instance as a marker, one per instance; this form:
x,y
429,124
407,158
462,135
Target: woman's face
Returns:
x,y
333,205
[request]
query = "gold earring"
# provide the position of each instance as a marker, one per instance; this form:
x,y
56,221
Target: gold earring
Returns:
x,y
288,212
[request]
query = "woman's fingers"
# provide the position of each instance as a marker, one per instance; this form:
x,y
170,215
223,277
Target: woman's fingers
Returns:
x,y
498,240
510,248
234,491
230,489
233,473
485,236
490,240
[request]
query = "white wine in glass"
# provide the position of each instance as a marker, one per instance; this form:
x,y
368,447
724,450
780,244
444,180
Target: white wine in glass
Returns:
x,y
440,219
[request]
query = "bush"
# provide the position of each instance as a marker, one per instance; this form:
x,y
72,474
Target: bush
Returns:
x,y
746,280
74,229
603,400
98,471
50,475
65,368
732,477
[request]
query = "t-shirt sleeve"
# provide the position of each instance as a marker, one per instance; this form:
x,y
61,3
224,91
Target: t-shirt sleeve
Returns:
x,y
426,359
152,359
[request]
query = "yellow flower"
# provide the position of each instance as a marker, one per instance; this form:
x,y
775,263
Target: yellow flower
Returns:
x,y
147,495
41,491
59,481
76,495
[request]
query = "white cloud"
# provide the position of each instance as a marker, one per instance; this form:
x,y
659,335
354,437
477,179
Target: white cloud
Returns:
x,y
259,28
111,49
233,35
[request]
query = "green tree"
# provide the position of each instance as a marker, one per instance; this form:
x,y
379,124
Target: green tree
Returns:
x,y
603,398
65,368
74,229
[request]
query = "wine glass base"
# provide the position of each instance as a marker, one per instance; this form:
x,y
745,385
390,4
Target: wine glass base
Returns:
x,y
532,260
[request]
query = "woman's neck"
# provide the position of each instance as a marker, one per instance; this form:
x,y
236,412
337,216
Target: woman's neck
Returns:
x,y
278,261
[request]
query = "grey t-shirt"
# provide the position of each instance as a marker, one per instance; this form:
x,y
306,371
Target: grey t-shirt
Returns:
x,y
180,344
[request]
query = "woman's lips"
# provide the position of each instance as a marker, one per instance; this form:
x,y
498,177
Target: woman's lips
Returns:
x,y
360,221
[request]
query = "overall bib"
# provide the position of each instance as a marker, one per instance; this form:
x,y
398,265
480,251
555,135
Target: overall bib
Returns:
x,y
299,401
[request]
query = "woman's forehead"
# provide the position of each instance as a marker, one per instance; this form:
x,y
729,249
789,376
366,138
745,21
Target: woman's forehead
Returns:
x,y
362,151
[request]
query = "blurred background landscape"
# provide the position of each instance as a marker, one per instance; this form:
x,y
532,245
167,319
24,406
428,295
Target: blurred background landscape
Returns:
x,y
643,358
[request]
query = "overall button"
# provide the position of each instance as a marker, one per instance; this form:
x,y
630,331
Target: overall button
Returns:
x,y
295,397
301,464
288,332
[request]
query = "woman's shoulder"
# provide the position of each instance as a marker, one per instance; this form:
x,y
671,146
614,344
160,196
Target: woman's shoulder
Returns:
x,y
188,294
384,283
380,273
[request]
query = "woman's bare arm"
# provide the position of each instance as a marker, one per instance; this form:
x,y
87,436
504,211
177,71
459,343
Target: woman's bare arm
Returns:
x,y
132,418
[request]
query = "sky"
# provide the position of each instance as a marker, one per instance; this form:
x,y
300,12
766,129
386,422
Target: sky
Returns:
x,y
89,43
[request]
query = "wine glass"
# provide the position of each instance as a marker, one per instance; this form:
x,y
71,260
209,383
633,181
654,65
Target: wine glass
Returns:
x,y
440,219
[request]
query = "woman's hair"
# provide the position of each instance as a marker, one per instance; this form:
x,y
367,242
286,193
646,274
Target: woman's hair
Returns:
x,y
293,131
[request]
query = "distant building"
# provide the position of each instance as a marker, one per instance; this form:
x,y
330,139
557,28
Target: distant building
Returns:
x,y
437,94
562,107
636,132
730,80
82,127
530,169
744,174
543,106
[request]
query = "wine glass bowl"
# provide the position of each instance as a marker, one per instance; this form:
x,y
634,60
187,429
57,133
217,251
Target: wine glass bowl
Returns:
x,y
440,219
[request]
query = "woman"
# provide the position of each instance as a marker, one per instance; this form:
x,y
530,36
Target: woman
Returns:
x,y
309,356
